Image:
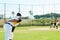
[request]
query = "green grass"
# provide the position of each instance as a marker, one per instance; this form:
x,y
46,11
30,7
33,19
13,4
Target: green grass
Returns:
x,y
1,35
38,35
33,35
27,27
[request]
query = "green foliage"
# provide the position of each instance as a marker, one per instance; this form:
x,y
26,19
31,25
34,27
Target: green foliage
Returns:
x,y
56,15
42,21
37,16
34,22
24,17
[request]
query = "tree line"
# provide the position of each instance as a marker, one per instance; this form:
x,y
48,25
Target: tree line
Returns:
x,y
49,15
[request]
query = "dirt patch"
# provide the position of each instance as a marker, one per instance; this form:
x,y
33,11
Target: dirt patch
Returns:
x,y
30,29
44,29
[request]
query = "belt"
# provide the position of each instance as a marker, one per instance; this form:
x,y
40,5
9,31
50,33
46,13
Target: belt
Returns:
x,y
10,24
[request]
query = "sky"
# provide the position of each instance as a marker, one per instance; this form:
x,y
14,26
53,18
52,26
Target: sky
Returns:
x,y
38,7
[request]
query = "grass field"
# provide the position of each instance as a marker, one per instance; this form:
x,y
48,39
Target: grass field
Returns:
x,y
24,33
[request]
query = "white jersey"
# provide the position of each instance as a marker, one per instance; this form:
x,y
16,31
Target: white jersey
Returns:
x,y
57,23
15,22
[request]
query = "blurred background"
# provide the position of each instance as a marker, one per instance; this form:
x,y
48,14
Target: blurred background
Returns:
x,y
34,12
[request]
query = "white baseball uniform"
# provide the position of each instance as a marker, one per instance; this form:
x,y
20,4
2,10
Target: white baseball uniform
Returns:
x,y
8,28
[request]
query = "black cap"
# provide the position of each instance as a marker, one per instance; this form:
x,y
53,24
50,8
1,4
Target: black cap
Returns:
x,y
18,14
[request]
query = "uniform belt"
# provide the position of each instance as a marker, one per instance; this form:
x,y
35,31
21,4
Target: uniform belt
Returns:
x,y
10,24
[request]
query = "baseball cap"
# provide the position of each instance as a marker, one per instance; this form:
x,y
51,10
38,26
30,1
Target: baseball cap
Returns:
x,y
18,14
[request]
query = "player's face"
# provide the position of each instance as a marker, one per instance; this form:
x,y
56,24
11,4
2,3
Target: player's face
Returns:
x,y
19,17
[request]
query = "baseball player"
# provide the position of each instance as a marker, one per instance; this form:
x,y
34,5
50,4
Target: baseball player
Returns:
x,y
10,25
56,23
52,24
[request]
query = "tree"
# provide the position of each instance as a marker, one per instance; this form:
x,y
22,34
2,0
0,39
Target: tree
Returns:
x,y
31,14
37,16
1,16
13,13
31,17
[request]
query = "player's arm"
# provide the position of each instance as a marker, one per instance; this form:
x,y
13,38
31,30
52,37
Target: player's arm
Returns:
x,y
13,20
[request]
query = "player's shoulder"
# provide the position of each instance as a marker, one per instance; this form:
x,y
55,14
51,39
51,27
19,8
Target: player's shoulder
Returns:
x,y
16,18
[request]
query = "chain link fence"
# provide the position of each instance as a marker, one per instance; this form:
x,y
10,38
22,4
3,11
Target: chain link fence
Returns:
x,y
28,11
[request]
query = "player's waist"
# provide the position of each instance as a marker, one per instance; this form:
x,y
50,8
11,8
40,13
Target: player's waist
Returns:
x,y
10,24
